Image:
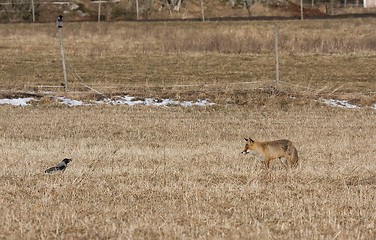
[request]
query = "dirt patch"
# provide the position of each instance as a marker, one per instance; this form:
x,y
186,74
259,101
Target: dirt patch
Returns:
x,y
294,9
19,94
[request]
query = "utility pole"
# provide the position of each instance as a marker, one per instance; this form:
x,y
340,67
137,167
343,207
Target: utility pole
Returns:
x,y
59,24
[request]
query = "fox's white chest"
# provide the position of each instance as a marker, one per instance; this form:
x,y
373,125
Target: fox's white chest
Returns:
x,y
257,156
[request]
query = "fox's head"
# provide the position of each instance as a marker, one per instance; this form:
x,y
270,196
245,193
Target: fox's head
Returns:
x,y
248,145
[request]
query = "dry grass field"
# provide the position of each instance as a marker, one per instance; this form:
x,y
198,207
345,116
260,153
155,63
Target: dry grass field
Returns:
x,y
142,172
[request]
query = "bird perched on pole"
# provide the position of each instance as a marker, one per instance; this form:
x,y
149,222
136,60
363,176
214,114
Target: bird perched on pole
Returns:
x,y
60,167
59,21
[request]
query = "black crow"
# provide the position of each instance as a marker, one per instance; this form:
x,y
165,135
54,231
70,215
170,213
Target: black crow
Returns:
x,y
61,166
59,21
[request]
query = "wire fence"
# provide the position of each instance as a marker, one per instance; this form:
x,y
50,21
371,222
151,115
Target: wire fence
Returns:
x,y
41,11
276,81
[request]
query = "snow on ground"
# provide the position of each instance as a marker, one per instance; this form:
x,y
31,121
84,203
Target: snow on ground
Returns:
x,y
70,102
118,100
16,101
131,101
339,103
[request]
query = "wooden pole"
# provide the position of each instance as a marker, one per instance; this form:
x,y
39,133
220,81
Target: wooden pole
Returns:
x,y
63,60
137,9
276,56
301,10
32,10
99,10
331,7
186,9
247,5
202,10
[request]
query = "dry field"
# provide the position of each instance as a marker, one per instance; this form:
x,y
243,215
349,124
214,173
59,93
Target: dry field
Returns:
x,y
141,172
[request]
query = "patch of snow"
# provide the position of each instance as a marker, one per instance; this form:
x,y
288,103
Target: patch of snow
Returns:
x,y
118,100
339,103
17,101
128,100
199,102
70,102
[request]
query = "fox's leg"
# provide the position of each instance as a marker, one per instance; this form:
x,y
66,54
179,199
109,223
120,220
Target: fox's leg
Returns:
x,y
296,158
257,156
284,162
292,156
267,162
295,161
292,160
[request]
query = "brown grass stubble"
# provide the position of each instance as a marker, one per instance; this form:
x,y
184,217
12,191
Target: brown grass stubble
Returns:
x,y
148,172
143,172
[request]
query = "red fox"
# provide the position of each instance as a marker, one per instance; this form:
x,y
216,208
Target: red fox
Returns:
x,y
266,151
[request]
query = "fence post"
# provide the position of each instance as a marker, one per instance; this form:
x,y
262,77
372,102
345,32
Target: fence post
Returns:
x,y
32,10
202,10
59,24
301,10
137,9
99,10
276,56
331,7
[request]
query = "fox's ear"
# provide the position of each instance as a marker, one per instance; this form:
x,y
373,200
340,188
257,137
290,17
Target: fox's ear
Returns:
x,y
246,139
250,140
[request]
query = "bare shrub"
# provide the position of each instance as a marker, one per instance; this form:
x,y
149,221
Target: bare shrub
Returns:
x,y
17,10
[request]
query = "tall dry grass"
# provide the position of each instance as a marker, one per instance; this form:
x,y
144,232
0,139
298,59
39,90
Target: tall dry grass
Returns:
x,y
339,36
163,173
315,53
